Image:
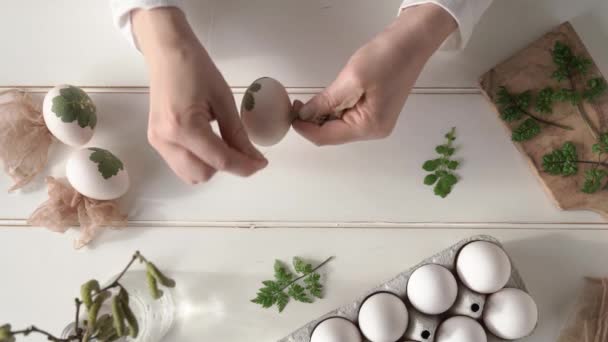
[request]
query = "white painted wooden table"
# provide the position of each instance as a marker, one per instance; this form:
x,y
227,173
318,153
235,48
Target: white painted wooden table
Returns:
x,y
364,203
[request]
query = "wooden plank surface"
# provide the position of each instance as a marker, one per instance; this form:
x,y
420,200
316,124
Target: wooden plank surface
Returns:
x,y
531,69
301,43
371,182
219,270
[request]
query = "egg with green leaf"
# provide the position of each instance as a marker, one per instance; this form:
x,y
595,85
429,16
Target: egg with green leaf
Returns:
x,y
266,111
97,173
70,114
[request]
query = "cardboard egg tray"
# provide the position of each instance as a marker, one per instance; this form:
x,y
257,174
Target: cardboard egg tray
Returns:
x,y
421,327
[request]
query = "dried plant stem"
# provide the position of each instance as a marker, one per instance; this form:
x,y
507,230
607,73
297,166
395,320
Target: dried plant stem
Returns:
x,y
116,282
50,337
546,122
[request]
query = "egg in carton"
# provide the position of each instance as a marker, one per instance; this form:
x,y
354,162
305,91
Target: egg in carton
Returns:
x,y
453,296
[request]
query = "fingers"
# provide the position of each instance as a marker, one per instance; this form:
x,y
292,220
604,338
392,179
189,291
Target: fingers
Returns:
x,y
333,132
184,164
232,129
342,94
208,147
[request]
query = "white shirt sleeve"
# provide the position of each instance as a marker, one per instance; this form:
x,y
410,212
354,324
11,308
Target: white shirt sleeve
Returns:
x,y
121,11
466,13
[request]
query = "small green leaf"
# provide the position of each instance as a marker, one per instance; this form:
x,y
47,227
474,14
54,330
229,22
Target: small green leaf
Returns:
x,y
248,101
526,130
593,180
430,179
301,267
282,300
544,100
298,293
441,149
255,87
450,179
595,88
453,164
107,164
281,274
431,165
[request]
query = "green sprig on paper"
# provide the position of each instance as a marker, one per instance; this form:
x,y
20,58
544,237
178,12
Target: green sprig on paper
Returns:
x,y
302,285
442,168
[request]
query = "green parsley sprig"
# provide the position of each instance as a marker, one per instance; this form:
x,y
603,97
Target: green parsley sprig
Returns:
x,y
564,162
442,168
302,286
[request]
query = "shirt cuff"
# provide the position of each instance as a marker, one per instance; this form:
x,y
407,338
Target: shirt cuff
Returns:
x,y
121,12
466,13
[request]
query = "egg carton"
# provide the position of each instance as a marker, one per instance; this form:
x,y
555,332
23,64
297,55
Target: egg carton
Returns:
x,y
421,327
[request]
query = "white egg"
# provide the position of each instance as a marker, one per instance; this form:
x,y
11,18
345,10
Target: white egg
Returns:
x,y
510,314
432,289
266,111
383,317
70,115
460,329
97,173
483,267
336,329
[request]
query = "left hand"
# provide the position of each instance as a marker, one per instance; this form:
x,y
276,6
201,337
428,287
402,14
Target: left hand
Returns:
x,y
369,93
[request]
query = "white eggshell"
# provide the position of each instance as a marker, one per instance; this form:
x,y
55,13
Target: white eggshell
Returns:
x,y
483,267
266,111
86,177
79,129
432,289
460,329
336,329
510,314
383,317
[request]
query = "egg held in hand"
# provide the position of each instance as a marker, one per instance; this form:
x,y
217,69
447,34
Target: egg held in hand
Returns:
x,y
70,115
383,317
510,314
432,289
336,329
460,329
483,267
266,111
97,173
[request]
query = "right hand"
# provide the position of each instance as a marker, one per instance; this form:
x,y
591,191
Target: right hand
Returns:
x,y
187,92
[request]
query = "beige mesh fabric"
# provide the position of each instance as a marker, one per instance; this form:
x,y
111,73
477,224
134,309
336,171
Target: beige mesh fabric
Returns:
x,y
24,138
589,320
67,208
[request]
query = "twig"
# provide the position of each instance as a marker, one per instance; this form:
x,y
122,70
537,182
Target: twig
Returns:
x,y
77,320
546,122
116,283
33,329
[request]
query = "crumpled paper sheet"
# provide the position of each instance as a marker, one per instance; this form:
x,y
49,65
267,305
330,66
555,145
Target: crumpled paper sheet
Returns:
x,y
67,208
24,138
589,321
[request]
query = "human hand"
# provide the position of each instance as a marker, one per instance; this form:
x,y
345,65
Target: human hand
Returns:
x,y
187,92
367,96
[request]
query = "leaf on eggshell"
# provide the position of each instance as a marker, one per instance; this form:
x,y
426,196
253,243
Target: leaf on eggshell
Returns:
x,y
248,101
255,87
73,104
108,164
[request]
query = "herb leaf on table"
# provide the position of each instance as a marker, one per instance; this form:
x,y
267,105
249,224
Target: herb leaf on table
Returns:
x,y
302,286
442,176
